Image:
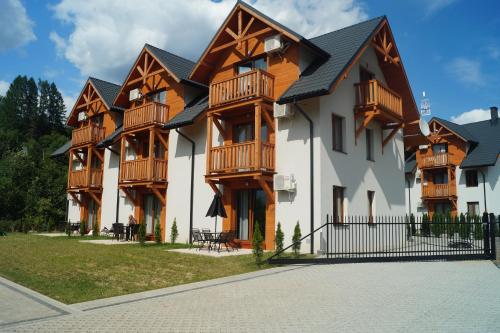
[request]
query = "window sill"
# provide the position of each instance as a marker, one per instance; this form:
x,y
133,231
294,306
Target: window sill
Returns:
x,y
339,151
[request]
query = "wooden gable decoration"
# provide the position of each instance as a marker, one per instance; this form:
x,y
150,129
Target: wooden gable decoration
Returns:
x,y
440,133
89,101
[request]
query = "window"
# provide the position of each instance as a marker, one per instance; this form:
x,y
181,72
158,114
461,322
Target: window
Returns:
x,y
338,204
159,97
338,133
440,178
259,63
371,197
365,75
471,178
439,148
369,145
473,208
442,208
245,132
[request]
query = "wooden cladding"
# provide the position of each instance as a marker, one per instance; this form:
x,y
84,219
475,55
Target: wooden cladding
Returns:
x,y
84,179
144,170
241,157
256,83
436,160
151,113
373,94
90,134
438,190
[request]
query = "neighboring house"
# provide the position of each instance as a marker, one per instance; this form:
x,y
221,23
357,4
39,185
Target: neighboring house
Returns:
x,y
93,117
457,170
286,129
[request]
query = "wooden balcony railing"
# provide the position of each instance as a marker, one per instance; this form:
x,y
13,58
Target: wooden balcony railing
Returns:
x,y
148,114
241,157
438,190
90,134
439,159
144,170
374,94
256,83
82,179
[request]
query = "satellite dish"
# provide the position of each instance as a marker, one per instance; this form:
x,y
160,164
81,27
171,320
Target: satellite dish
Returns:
x,y
424,127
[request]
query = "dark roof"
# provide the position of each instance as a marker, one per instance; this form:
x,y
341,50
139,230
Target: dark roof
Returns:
x,y
61,150
343,45
411,163
189,114
107,90
485,152
110,139
460,130
179,66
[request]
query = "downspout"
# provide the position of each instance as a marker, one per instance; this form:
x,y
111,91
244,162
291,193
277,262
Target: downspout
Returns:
x,y
117,209
409,195
191,195
311,167
484,190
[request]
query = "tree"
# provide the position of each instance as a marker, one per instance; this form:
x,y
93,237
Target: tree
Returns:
x,y
297,235
157,231
174,232
141,233
280,237
257,241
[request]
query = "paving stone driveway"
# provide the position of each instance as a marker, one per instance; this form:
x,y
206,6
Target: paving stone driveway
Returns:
x,y
389,297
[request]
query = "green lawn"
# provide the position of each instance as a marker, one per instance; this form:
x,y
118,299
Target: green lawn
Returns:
x,y
72,272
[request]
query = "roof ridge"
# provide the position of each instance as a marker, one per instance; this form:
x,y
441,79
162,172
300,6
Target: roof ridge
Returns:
x,y
170,53
349,26
109,82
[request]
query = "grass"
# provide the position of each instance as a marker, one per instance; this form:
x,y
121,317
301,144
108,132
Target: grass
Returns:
x,y
73,272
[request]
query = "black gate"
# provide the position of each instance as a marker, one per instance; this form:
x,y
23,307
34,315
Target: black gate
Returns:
x,y
378,239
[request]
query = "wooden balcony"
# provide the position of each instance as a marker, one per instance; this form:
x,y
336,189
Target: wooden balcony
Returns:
x,y
82,179
151,113
90,134
438,191
241,157
144,170
253,84
436,160
373,95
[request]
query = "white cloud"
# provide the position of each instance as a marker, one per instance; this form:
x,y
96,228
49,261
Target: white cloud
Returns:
x,y
433,6
16,29
107,36
471,116
69,101
466,70
4,86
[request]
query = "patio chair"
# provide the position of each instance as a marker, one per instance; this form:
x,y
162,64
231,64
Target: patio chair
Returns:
x,y
225,238
105,231
198,238
118,231
208,237
134,229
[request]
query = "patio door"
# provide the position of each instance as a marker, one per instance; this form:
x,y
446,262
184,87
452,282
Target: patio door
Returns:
x,y
250,207
92,214
152,209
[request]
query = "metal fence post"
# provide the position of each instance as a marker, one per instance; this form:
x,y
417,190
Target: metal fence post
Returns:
x,y
492,236
486,228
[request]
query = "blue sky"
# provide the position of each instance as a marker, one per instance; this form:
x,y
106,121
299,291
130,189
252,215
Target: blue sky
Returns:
x,y
450,48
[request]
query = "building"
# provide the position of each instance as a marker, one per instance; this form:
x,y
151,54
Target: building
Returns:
x,y
287,129
457,170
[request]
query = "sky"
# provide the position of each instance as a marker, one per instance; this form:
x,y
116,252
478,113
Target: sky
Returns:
x,y
450,48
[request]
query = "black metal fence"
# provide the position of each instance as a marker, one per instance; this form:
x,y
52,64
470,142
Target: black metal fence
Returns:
x,y
398,238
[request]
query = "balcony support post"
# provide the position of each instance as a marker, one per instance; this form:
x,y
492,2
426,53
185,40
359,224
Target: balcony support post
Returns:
x,y
391,135
159,195
75,198
268,119
367,118
122,155
89,165
151,153
258,134
221,128
209,142
98,154
70,168
95,198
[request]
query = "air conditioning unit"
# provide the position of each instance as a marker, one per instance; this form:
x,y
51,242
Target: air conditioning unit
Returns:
x,y
282,111
284,183
273,44
82,116
134,94
423,147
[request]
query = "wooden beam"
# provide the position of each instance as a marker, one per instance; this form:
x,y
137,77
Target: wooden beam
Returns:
x,y
98,154
209,142
368,117
268,119
162,140
75,198
158,71
129,196
249,24
219,126
257,136
267,189
213,186
159,195
234,42
390,136
231,33
96,199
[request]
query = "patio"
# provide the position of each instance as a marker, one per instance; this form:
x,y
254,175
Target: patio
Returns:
x,y
213,253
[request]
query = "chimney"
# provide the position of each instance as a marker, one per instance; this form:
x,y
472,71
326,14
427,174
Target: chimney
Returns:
x,y
494,114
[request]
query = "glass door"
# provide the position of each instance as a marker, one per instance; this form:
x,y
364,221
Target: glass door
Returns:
x,y
250,208
243,214
92,214
152,210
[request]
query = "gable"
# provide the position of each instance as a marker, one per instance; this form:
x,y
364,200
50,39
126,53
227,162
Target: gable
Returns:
x,y
90,101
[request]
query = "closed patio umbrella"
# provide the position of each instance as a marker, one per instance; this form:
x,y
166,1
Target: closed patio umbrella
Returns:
x,y
216,209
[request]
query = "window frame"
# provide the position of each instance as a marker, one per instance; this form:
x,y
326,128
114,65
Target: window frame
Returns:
x,y
341,120
336,190
468,176
371,203
370,150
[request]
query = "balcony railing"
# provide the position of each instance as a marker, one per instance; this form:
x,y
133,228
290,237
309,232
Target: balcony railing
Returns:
x,y
241,157
436,160
143,170
152,113
438,190
374,94
90,134
82,179
256,83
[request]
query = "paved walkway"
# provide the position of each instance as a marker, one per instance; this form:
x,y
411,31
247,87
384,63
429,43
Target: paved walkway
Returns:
x,y
388,297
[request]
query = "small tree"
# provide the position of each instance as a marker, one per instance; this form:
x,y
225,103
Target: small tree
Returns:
x,y
257,240
437,225
426,227
95,229
157,231
450,225
141,233
82,227
478,229
464,230
297,235
174,233
280,237
412,224
68,228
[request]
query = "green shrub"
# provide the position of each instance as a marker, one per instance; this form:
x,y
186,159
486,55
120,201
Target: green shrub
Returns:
x,y
464,227
174,233
297,235
450,225
257,240
82,227
68,228
412,224
141,233
478,230
157,231
280,238
426,227
95,229
437,225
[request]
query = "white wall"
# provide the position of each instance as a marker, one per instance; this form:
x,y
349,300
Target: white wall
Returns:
x,y
415,195
110,186
178,190
476,194
73,210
